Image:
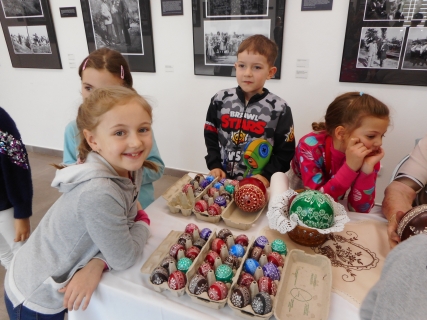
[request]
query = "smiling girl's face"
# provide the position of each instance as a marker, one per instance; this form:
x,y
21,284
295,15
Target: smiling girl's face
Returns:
x,y
93,79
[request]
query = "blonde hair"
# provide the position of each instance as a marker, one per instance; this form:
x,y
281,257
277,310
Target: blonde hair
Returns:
x,y
100,101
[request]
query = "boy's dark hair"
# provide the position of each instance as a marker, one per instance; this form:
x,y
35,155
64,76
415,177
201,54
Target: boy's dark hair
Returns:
x,y
349,109
261,45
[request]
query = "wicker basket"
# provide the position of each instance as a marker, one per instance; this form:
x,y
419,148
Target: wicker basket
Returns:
x,y
307,236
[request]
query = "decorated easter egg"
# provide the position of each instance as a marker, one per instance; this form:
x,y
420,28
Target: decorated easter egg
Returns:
x,y
279,246
205,233
256,253
261,241
212,191
276,258
189,228
224,273
237,250
270,270
184,237
314,209
250,266
246,279
177,280
201,206
203,184
198,285
210,178
224,233
242,239
159,275
198,191
218,185
240,297
232,261
211,256
229,188
186,187
199,177
204,268
173,252
214,210
216,244
266,284
192,252
250,195
184,264
261,303
220,200
166,262
199,243
218,291
226,195
413,222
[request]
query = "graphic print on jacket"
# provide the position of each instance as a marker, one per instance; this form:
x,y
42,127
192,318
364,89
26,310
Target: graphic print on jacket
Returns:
x,y
231,126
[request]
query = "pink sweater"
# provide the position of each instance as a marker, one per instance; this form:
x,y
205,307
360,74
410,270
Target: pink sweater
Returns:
x,y
309,164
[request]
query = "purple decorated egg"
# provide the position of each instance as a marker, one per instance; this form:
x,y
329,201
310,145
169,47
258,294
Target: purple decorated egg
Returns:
x,y
204,184
220,200
205,233
270,270
261,241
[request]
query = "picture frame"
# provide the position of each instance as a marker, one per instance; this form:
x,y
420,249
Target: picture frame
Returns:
x,y
30,34
385,43
220,26
124,26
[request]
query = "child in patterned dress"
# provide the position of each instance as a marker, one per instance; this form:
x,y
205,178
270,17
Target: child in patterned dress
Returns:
x,y
344,152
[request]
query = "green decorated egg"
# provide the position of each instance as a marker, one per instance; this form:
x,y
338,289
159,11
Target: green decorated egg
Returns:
x,y
184,264
314,209
224,273
279,246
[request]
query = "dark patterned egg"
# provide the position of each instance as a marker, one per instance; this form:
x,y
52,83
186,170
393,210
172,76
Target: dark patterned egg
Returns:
x,y
240,297
413,222
159,275
199,243
232,261
166,261
184,237
198,285
261,303
224,233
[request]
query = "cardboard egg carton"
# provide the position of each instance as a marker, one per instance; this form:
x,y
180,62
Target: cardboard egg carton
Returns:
x,y
180,202
204,298
162,252
306,275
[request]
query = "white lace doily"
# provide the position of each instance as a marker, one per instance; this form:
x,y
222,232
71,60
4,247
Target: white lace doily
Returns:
x,y
279,219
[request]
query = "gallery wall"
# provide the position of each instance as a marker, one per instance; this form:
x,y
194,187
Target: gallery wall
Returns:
x,y
43,101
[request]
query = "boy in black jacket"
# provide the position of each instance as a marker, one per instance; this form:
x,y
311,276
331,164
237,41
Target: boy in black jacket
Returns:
x,y
249,131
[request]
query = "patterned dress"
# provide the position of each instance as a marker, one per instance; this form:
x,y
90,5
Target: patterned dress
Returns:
x,y
309,165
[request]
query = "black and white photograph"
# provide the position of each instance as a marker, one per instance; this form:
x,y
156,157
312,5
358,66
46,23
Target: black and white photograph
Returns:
x,y
380,48
409,11
416,50
117,25
22,8
223,37
20,40
39,38
236,8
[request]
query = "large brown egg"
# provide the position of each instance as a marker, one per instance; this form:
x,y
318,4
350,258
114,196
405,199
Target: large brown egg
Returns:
x,y
413,222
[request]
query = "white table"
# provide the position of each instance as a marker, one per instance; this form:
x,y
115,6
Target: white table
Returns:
x,y
129,295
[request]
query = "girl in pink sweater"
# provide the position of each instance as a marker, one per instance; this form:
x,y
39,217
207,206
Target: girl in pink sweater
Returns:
x,y
344,152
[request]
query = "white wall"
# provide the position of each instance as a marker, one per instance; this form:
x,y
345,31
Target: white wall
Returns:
x,y
42,102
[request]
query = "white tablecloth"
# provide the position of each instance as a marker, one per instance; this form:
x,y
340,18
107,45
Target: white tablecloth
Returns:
x,y
129,295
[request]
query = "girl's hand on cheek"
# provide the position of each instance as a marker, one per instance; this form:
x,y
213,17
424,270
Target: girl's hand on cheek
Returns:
x,y
355,153
370,161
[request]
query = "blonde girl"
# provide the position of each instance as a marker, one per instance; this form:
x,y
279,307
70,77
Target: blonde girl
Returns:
x,y
97,216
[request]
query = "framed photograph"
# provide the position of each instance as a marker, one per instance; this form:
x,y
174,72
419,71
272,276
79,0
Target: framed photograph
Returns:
x,y
29,33
385,42
124,26
223,24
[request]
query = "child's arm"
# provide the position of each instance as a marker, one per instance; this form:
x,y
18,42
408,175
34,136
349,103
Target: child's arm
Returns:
x,y
22,229
312,167
284,145
82,285
362,194
148,175
213,158
107,225
71,143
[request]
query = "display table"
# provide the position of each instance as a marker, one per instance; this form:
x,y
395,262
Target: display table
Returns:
x,y
129,295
